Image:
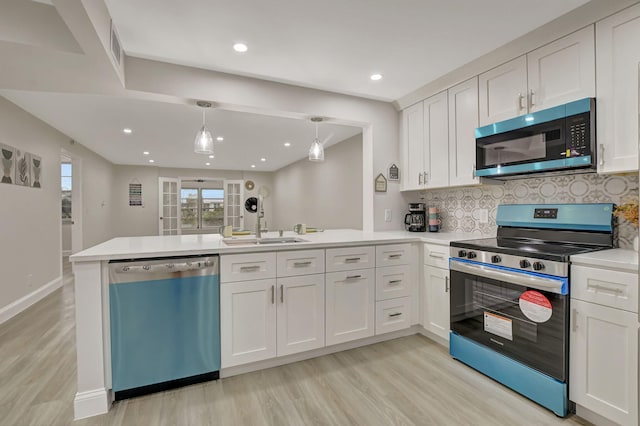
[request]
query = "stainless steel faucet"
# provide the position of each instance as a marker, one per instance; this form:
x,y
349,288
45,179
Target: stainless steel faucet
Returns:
x,y
260,215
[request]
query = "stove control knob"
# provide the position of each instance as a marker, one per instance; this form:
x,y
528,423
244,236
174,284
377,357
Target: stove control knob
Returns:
x,y
538,266
524,263
496,259
462,253
472,255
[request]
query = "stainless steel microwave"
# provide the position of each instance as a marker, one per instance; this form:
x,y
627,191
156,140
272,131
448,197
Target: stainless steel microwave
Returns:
x,y
558,140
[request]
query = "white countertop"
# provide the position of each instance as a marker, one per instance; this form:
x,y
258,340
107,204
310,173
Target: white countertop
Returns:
x,y
621,259
186,245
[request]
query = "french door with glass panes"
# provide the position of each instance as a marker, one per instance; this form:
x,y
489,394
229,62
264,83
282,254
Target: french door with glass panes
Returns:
x,y
168,206
233,214
201,209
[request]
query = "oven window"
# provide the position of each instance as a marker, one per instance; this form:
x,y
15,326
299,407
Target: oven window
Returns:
x,y
501,316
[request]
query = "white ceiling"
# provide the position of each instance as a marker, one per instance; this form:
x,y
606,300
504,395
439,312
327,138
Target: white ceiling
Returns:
x,y
167,131
333,45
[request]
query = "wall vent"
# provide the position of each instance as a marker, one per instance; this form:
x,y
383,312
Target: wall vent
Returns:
x,y
116,50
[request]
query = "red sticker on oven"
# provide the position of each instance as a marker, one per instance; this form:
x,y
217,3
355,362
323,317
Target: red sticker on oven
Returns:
x,y
535,306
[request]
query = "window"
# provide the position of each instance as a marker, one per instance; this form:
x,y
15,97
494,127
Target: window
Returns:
x,y
66,174
201,208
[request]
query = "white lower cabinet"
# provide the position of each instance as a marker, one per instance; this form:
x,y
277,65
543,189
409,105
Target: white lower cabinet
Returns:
x,y
248,321
350,305
436,301
604,361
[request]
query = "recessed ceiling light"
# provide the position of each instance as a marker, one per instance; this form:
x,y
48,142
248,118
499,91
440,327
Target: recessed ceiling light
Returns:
x,y
207,164
287,144
263,159
376,77
253,166
151,161
127,130
219,138
240,47
145,153
212,156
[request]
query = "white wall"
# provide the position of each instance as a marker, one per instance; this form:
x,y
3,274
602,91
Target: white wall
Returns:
x,y
322,195
30,232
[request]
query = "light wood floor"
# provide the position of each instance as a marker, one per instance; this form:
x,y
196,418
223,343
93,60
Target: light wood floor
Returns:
x,y
407,381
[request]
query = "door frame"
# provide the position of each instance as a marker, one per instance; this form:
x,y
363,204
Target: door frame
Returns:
x,y
76,201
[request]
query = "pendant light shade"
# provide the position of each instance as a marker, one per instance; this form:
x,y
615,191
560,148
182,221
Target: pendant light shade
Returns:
x,y
203,143
316,150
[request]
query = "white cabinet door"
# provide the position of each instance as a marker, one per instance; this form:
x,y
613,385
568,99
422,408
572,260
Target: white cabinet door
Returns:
x,y
503,91
436,141
604,361
413,145
436,301
463,120
247,321
350,305
300,313
617,82
562,71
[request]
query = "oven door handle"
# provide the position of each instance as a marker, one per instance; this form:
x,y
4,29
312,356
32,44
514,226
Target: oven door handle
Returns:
x,y
541,283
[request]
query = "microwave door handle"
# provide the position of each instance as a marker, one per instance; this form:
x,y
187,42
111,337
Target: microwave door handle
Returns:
x,y
525,280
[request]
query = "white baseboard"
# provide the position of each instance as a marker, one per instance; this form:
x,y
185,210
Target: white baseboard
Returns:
x,y
14,308
91,403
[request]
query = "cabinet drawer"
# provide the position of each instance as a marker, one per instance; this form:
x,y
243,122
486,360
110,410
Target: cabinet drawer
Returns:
x,y
392,282
244,267
393,254
393,314
436,255
615,289
350,258
300,262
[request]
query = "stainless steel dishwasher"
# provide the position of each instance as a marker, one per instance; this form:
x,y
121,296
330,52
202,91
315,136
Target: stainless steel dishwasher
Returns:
x,y
165,323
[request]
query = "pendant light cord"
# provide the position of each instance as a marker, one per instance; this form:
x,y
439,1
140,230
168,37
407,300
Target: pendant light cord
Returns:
x,y
203,121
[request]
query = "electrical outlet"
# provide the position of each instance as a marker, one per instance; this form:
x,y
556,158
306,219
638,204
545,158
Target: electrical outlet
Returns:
x,y
483,216
387,215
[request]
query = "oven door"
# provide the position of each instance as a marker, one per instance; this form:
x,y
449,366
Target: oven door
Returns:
x,y
522,315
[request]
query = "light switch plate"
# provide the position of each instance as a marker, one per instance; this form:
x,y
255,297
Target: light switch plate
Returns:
x,y
387,215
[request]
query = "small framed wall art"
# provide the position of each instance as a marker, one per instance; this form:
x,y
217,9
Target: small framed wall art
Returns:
x,y
394,173
381,183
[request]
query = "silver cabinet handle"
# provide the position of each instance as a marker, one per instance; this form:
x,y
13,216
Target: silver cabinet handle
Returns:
x,y
395,281
521,104
436,255
473,171
419,178
601,153
353,277
446,284
394,256
352,259
281,293
531,101
298,264
249,268
574,319
605,288
426,177
273,294
395,315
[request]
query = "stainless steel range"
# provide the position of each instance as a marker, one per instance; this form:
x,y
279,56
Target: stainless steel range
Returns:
x,y
510,295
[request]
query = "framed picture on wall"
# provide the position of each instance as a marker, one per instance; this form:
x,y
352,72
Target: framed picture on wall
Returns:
x,y
23,168
8,155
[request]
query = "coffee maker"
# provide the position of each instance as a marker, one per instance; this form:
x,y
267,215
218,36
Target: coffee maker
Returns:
x,y
415,220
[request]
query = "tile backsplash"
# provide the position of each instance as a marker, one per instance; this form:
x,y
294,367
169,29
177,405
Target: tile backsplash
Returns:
x,y
460,208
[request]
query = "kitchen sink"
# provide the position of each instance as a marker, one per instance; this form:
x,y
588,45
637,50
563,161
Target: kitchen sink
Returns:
x,y
254,241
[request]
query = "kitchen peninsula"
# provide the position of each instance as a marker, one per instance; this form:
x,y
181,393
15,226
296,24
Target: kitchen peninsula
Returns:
x,y
386,250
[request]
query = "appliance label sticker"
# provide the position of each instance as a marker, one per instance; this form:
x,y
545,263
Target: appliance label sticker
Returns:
x,y
535,306
500,326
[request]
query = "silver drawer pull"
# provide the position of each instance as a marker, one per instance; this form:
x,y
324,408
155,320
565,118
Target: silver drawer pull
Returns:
x,y
395,281
249,268
395,315
604,288
395,256
298,264
436,255
352,259
353,277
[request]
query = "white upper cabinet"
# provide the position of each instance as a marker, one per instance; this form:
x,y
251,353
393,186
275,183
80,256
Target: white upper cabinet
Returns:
x,y
463,120
562,71
413,141
557,73
617,40
436,141
503,91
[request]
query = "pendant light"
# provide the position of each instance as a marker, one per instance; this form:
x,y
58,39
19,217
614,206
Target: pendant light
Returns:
x,y
204,141
316,151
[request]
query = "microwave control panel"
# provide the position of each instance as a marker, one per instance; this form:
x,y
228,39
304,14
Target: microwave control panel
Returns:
x,y
578,136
